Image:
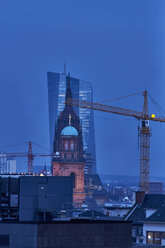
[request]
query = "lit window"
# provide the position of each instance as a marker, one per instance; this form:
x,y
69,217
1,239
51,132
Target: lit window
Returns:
x,y
154,237
150,237
157,239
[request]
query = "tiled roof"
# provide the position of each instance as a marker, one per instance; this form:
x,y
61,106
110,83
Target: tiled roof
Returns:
x,y
158,216
138,214
151,201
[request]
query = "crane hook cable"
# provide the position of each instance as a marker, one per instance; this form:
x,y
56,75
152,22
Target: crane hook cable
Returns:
x,y
114,99
157,106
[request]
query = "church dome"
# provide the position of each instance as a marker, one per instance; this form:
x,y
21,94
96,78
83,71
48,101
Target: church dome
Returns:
x,y
69,130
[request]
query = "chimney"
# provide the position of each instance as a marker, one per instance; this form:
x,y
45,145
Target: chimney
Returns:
x,y
139,196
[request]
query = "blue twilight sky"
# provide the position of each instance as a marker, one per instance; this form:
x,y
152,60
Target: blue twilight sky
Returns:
x,y
118,45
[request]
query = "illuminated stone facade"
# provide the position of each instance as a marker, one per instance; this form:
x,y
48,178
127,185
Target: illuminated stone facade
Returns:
x,y
68,146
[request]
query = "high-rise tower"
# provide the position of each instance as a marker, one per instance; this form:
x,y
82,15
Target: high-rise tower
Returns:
x,y
68,145
81,90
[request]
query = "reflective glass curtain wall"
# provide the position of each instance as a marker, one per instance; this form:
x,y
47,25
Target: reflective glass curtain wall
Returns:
x,y
56,96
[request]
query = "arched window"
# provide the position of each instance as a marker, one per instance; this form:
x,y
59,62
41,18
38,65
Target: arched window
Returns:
x,y
72,145
66,145
73,179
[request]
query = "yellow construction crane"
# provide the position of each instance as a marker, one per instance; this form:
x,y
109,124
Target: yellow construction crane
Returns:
x,y
145,131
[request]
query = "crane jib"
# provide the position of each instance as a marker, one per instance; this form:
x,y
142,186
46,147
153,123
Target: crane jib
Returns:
x,y
115,110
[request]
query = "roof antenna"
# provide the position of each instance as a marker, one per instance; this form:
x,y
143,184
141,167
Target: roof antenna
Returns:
x,y
64,67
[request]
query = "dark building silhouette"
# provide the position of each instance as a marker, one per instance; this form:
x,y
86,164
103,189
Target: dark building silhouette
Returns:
x,y
34,198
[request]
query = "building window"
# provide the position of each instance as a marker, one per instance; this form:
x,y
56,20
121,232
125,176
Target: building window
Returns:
x,y
139,231
155,237
72,155
73,179
66,145
150,238
71,145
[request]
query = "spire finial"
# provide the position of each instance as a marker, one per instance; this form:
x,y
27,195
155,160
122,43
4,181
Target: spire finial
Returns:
x,y
68,88
70,117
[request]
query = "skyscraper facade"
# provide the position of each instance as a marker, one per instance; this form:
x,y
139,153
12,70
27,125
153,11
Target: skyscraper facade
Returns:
x,y
82,90
7,164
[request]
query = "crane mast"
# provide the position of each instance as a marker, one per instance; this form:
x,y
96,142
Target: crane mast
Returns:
x,y
30,159
145,131
145,134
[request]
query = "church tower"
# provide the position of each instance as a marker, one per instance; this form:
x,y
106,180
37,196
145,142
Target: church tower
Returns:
x,y
68,146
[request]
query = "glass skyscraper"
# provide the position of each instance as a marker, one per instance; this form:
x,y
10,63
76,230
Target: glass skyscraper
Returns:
x,y
81,90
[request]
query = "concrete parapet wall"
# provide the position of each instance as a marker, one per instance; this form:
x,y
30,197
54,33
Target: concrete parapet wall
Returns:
x,y
147,246
94,234
69,234
20,235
